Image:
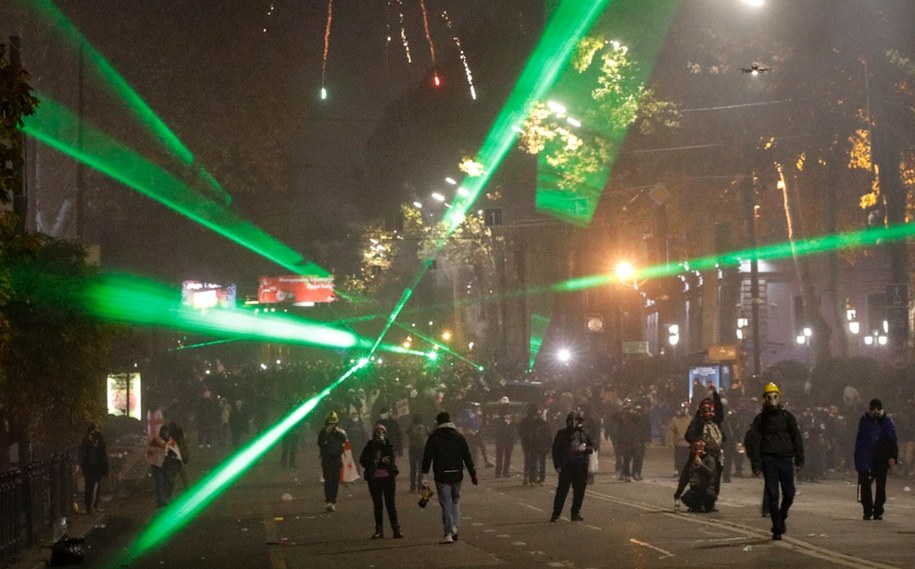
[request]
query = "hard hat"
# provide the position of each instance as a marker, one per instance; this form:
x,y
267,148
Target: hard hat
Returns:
x,y
331,418
772,388
504,400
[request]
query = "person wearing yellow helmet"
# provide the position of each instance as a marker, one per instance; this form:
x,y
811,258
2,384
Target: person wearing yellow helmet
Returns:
x,y
776,450
330,449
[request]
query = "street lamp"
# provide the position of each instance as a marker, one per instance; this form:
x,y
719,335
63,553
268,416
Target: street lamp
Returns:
x,y
673,334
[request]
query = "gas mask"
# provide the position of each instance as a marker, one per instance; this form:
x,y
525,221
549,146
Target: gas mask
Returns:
x,y
770,399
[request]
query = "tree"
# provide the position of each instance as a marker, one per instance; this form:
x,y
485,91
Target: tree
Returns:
x,y
55,362
51,353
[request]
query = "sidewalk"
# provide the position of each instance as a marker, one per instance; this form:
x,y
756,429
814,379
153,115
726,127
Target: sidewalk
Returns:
x,y
117,489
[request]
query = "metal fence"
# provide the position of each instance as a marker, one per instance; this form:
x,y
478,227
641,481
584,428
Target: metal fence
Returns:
x,y
32,501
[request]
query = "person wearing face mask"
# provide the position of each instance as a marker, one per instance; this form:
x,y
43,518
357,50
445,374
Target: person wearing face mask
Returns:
x,y
571,449
706,428
776,451
378,460
876,451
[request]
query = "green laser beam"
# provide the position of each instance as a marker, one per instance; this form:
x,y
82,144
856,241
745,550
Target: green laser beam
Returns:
x,y
132,100
569,23
124,298
54,125
539,326
441,346
180,512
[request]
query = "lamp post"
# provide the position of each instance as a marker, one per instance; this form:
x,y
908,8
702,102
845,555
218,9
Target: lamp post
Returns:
x,y
804,339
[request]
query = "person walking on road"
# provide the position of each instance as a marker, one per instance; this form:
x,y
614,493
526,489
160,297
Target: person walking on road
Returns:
x,y
330,450
417,434
535,442
93,461
776,450
378,459
571,449
876,450
448,454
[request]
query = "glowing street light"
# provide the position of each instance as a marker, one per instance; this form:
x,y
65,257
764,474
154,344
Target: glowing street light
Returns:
x,y
673,334
438,197
564,355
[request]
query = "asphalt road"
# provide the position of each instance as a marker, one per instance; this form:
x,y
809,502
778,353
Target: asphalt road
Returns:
x,y
274,518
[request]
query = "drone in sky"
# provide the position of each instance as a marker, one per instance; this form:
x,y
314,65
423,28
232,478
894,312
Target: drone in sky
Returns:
x,y
755,69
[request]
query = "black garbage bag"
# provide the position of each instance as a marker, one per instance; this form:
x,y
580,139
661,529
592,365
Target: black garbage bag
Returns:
x,y
66,551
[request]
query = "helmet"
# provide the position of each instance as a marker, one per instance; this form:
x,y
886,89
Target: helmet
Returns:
x,y
332,418
504,400
772,388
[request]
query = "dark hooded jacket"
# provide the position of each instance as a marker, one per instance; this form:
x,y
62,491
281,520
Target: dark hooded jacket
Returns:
x,y
774,432
447,453
876,443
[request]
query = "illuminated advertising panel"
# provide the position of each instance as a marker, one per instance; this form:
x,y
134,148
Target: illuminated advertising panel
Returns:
x,y
299,290
203,295
123,394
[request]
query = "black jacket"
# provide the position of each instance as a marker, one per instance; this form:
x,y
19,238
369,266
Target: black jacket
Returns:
x,y
774,432
447,453
371,458
566,447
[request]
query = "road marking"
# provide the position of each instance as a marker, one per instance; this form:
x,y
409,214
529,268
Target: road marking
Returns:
x,y
519,543
597,528
664,553
503,536
535,508
794,544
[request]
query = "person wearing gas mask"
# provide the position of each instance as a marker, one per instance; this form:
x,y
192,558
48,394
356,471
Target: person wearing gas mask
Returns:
x,y
876,450
572,448
706,427
378,459
776,451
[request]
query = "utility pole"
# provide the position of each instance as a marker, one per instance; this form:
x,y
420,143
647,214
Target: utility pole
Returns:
x,y
20,188
749,196
80,168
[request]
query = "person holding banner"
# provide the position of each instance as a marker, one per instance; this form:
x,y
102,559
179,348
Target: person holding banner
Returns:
x,y
331,441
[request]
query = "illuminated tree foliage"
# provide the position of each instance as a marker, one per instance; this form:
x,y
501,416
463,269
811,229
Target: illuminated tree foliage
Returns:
x,y
576,154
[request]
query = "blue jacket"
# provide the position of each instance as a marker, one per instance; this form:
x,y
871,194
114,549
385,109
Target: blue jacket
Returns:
x,y
876,443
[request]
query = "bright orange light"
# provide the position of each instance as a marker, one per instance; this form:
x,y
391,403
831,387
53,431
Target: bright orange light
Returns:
x,y
624,270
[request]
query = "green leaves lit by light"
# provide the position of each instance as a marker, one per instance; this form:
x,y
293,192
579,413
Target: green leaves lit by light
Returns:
x,y
188,505
55,126
570,21
577,143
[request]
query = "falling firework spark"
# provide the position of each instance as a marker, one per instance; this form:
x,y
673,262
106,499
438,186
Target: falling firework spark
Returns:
x,y
457,42
403,32
435,78
270,11
330,18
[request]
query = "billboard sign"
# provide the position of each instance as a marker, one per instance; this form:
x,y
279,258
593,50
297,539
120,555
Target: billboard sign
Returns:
x,y
123,394
298,290
203,295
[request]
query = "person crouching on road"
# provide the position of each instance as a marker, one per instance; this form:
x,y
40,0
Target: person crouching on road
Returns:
x,y
447,453
378,461
571,449
330,444
776,450
876,451
703,467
